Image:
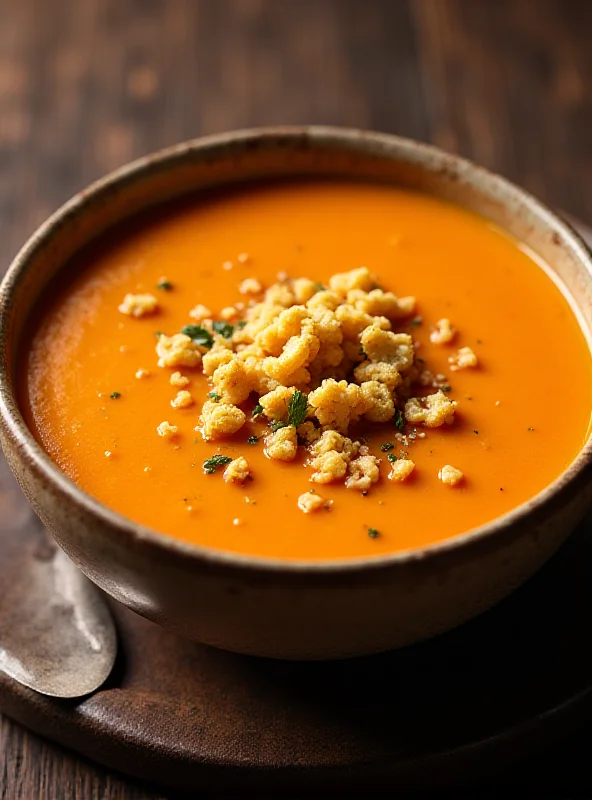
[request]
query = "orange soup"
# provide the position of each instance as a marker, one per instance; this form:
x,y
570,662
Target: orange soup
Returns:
x,y
493,339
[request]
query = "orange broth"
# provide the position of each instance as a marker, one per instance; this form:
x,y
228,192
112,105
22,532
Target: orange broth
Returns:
x,y
511,436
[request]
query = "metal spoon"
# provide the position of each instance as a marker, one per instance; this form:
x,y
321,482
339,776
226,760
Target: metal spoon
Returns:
x,y
57,635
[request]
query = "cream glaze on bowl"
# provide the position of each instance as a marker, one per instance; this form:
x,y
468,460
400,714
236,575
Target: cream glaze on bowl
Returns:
x,y
267,607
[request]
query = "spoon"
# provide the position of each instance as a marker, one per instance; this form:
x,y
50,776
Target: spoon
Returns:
x,y
57,635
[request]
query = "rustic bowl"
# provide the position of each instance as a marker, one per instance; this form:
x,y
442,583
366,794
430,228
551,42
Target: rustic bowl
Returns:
x,y
263,606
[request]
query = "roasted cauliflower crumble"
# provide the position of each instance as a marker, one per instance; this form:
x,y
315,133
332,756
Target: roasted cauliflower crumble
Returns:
x,y
320,361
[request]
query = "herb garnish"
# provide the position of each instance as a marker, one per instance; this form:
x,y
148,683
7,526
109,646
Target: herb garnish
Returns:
x,y
166,286
277,424
115,395
240,325
416,322
320,288
200,335
214,396
158,334
257,411
476,433
392,457
225,329
297,408
252,440
399,420
211,465
386,446
373,533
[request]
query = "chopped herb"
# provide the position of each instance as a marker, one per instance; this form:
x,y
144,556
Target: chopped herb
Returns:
x,y
211,465
501,488
446,387
200,335
240,325
196,441
373,533
225,329
392,458
386,446
479,341
257,411
166,286
476,432
214,396
252,440
277,424
158,334
297,408
399,420
416,322
320,288
115,395
531,429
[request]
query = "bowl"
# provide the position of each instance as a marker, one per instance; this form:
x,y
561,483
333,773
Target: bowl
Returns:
x,y
273,607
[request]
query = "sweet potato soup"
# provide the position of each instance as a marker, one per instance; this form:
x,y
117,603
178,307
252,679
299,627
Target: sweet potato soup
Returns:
x,y
310,370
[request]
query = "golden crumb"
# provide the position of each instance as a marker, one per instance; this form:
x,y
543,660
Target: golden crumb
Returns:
x,y
228,313
443,332
282,445
227,265
178,350
166,431
463,359
200,313
138,305
242,258
179,380
183,399
142,373
237,471
450,476
250,286
220,419
433,410
401,469
308,503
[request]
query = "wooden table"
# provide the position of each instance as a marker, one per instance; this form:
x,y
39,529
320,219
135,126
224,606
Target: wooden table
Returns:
x,y
86,85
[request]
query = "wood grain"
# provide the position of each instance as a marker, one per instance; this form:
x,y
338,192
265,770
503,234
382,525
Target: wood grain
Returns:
x,y
85,85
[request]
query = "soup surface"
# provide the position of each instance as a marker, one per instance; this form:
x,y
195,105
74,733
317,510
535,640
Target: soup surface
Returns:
x,y
95,395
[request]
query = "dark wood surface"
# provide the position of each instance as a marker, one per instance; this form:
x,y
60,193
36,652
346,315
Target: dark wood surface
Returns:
x,y
85,85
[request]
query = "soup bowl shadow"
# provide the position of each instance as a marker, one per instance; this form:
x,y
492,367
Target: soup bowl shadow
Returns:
x,y
272,607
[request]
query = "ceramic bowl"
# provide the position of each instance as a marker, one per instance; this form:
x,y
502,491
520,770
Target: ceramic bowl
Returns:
x,y
262,606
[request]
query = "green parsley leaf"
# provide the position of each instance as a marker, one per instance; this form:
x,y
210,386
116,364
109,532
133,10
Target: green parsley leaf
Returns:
x,y
297,408
165,286
240,325
386,446
225,329
399,420
446,387
158,334
252,440
200,335
320,288
373,533
214,396
392,457
257,411
211,465
115,395
277,424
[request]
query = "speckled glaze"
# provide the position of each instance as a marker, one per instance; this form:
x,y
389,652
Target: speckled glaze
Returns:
x,y
267,607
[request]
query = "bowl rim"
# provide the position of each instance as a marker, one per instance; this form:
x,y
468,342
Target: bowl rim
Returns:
x,y
18,433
